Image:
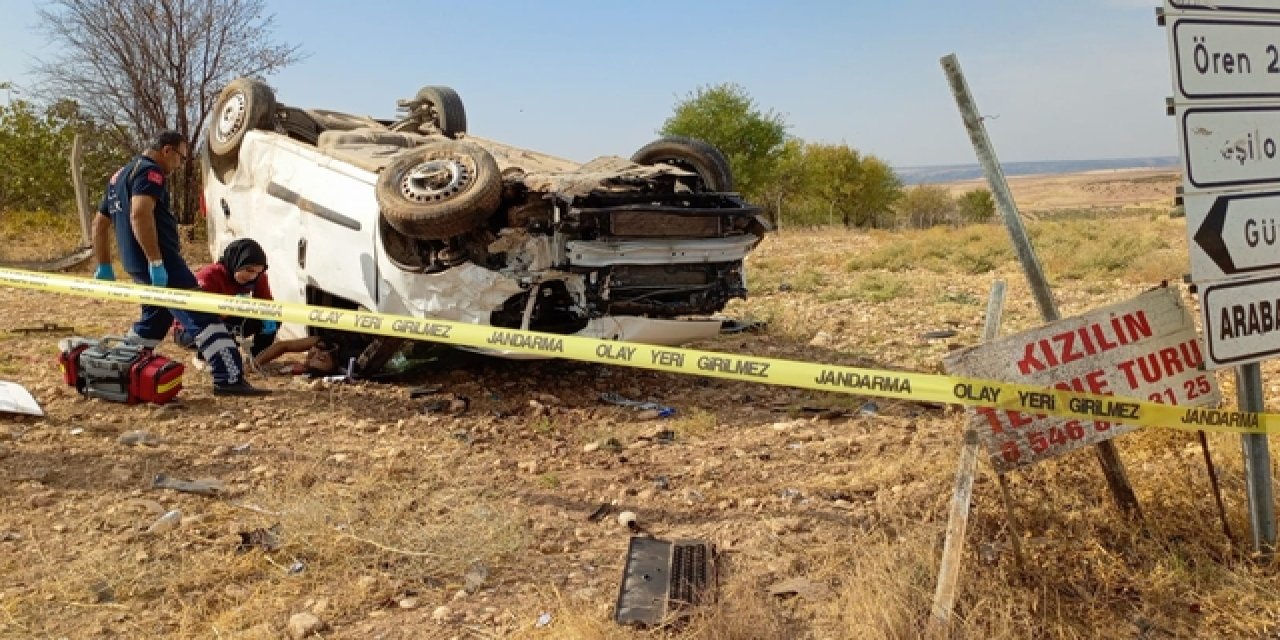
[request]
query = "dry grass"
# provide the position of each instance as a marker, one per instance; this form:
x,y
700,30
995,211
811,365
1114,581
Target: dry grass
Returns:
x,y
37,235
383,505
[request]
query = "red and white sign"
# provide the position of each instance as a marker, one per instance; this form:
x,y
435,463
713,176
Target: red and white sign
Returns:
x,y
1144,348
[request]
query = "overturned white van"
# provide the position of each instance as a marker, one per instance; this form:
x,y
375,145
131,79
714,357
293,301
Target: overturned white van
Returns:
x,y
415,216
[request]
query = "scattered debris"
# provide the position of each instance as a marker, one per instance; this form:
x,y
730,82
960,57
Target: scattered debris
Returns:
x,y
662,577
939,334
648,410
204,487
733,325
47,327
628,519
296,568
421,392
800,587
543,620
600,512
166,523
449,404
267,539
869,408
14,398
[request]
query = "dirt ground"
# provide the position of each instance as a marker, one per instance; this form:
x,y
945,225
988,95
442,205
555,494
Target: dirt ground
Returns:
x,y
459,503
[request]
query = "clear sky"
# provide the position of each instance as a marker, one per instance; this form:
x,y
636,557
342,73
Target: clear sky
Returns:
x,y
1064,79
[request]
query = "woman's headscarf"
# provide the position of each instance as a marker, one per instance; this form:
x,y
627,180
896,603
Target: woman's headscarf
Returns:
x,y
242,253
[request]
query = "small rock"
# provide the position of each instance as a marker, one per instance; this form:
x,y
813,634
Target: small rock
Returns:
x,y
366,583
319,607
591,447
408,603
134,438
628,519
475,576
821,339
243,427
304,625
442,614
41,500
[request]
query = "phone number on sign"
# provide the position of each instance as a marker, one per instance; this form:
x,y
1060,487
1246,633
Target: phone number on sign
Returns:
x,y
1073,430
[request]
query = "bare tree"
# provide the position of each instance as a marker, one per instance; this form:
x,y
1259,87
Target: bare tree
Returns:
x,y
141,66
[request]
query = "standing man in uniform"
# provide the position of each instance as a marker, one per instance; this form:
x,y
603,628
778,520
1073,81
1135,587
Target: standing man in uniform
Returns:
x,y
137,205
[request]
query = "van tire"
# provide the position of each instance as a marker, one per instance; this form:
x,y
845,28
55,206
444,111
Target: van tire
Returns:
x,y
242,105
690,154
451,116
440,189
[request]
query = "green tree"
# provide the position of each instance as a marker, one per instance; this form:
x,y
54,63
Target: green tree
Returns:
x,y
879,189
976,206
926,206
727,117
35,148
834,176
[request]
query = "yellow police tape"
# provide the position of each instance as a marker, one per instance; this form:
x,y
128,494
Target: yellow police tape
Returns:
x,y
920,387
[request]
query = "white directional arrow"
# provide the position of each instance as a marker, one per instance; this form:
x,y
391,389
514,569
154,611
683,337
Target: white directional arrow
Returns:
x,y
1233,234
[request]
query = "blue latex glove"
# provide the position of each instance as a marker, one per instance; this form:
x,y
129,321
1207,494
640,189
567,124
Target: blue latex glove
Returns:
x,y
104,272
159,275
270,326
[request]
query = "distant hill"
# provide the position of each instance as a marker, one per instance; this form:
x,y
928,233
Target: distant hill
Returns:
x,y
957,172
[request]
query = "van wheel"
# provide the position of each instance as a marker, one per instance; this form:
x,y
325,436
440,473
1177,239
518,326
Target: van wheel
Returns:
x,y
434,110
244,104
450,115
439,189
689,154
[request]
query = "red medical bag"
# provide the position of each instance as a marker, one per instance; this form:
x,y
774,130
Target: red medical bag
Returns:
x,y
118,371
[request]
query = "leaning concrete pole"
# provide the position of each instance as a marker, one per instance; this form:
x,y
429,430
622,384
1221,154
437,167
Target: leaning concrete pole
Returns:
x,y
1107,455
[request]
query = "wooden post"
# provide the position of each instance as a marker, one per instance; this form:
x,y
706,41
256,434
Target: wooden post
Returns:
x,y
82,195
1015,537
944,596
